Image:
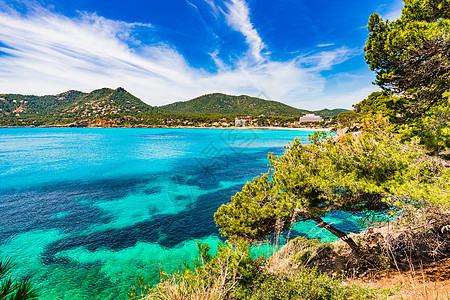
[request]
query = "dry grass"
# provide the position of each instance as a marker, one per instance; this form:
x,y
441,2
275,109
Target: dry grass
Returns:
x,y
409,258
177,288
419,250
181,291
430,282
296,255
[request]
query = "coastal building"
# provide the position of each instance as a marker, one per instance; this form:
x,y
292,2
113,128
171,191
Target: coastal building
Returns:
x,y
242,121
310,118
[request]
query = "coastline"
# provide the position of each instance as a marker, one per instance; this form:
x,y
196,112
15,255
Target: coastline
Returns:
x,y
185,127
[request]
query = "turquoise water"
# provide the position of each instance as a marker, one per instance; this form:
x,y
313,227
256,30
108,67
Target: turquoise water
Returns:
x,y
84,212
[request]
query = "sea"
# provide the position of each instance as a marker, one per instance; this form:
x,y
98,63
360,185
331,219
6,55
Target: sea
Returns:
x,y
84,212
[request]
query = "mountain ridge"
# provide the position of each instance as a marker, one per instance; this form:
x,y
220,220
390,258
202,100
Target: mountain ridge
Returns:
x,y
228,104
272,107
106,103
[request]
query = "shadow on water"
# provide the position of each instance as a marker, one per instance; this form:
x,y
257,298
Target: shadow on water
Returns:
x,y
207,174
66,206
69,207
167,230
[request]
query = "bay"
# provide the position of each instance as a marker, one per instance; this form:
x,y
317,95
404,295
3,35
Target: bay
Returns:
x,y
86,211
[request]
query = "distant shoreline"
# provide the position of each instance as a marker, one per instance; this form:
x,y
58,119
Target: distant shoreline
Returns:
x,y
186,127
259,128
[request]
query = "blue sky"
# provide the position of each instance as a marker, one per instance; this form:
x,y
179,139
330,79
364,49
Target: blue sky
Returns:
x,y
305,53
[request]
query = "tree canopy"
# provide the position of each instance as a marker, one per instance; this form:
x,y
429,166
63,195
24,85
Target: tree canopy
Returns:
x,y
364,172
411,55
411,58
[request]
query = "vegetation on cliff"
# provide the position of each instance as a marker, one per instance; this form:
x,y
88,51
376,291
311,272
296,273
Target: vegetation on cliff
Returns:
x,y
367,172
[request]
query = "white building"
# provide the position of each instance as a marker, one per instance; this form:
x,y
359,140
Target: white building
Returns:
x,y
242,121
310,118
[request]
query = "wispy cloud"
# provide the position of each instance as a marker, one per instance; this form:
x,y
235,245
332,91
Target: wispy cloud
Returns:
x,y
219,63
238,17
48,53
216,10
194,6
325,60
325,45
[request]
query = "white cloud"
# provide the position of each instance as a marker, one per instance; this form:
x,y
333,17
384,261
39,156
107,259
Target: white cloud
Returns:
x,y
325,60
325,45
48,53
238,18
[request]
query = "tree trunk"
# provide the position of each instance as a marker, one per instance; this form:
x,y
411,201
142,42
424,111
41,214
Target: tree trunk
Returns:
x,y
330,228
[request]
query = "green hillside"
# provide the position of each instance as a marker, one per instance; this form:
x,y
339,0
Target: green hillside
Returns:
x,y
121,108
241,105
69,107
103,102
47,105
233,105
329,112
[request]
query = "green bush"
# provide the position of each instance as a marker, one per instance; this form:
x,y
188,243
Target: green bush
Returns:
x,y
306,284
234,274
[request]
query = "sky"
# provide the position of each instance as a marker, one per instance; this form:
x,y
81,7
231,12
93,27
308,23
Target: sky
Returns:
x,y
305,53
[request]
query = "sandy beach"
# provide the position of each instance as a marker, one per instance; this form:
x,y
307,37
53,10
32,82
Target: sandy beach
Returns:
x,y
253,128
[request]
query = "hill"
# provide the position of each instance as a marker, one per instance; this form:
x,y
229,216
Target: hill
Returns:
x,y
98,102
232,105
69,107
106,101
329,112
241,105
30,104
